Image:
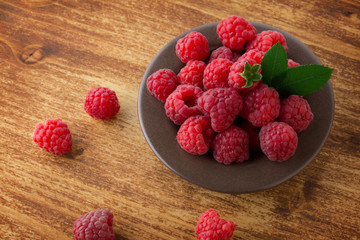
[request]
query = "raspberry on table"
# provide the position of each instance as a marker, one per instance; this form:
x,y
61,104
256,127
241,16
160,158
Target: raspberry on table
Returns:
x,y
216,73
253,132
101,103
194,46
231,145
237,73
192,73
265,40
182,103
295,111
221,52
234,32
211,227
253,54
261,106
222,105
97,224
278,141
54,136
292,63
195,135
162,83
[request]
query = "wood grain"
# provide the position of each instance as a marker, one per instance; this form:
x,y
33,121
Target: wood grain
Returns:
x,y
53,52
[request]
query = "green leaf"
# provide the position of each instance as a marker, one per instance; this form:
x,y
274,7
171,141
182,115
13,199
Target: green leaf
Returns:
x,y
274,64
250,74
303,80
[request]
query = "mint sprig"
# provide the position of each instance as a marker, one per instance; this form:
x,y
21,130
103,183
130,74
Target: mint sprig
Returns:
x,y
250,74
301,80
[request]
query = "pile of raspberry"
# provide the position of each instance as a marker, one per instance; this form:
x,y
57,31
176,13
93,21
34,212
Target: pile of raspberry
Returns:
x,y
220,102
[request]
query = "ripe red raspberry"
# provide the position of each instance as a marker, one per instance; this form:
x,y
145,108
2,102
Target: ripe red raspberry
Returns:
x,y
97,224
292,63
222,105
231,145
253,132
235,31
181,104
242,78
195,135
253,54
211,227
296,112
162,83
194,46
261,106
54,136
221,52
265,40
101,103
278,141
192,73
216,73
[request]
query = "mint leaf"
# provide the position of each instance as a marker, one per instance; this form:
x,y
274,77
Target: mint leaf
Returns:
x,y
302,80
250,74
274,63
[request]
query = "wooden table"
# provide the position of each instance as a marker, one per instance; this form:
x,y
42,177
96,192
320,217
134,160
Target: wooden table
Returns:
x,y
53,52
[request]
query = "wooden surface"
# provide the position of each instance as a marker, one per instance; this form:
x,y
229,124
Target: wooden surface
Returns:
x,y
53,52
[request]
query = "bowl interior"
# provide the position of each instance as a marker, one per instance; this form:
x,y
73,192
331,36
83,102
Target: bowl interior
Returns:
x,y
256,174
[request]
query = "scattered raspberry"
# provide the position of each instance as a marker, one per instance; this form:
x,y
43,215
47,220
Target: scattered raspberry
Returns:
x,y
292,63
54,136
265,40
231,145
253,54
222,105
235,31
194,46
296,112
211,227
236,79
101,103
97,224
278,141
181,104
162,83
253,132
221,52
195,135
261,106
216,73
192,73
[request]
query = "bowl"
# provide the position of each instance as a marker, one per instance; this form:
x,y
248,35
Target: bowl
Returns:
x,y
256,174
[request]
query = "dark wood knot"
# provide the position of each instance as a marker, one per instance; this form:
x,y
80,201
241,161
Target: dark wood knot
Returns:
x,y
32,54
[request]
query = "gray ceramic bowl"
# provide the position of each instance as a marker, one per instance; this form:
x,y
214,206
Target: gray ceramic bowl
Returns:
x,y
256,174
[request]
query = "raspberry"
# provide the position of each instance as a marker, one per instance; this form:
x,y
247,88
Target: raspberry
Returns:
x,y
261,106
253,54
194,46
97,224
231,145
278,141
192,73
253,132
216,73
222,105
296,112
235,31
221,52
101,103
292,63
265,40
181,104
162,83
195,135
211,227
238,71
54,136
